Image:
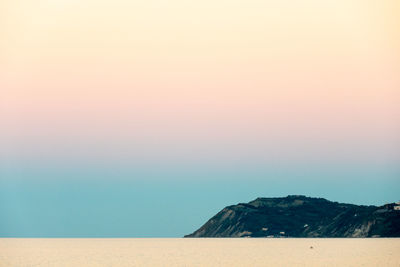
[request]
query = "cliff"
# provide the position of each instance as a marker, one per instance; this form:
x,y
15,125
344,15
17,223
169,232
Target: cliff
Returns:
x,y
300,216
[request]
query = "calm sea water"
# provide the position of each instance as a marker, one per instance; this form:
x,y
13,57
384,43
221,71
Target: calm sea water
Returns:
x,y
199,252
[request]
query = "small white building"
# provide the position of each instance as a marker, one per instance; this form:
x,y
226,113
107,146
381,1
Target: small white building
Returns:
x,y
396,207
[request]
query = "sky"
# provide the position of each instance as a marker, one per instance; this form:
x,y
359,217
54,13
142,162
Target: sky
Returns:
x,y
145,118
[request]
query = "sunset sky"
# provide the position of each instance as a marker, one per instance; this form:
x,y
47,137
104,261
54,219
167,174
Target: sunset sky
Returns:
x,y
144,118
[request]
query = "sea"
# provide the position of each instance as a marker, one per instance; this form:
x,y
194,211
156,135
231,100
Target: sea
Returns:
x,y
200,252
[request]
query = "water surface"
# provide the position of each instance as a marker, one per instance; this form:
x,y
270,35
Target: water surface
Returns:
x,y
199,252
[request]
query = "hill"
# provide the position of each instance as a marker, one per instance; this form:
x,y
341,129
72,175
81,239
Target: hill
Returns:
x,y
301,216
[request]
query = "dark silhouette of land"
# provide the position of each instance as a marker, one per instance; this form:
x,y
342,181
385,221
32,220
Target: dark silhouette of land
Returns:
x,y
301,216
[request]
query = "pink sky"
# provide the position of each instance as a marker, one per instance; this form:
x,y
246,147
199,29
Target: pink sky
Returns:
x,y
248,81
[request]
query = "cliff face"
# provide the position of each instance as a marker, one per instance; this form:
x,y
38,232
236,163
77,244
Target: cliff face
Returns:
x,y
300,216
